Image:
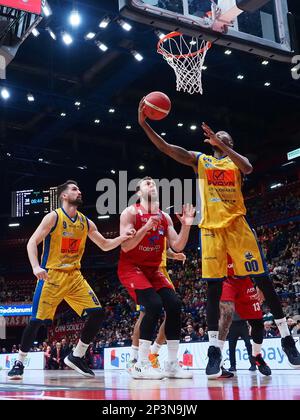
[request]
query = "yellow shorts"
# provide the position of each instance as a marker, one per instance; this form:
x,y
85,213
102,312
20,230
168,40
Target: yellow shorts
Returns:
x,y
61,285
164,271
237,240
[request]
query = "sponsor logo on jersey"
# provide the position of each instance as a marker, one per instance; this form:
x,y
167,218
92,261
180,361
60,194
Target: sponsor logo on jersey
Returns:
x,y
219,177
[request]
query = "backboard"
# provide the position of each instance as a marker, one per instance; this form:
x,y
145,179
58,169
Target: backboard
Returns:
x,y
260,27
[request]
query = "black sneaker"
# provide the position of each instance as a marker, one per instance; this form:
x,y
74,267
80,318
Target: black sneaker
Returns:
x,y
79,364
262,366
226,374
232,369
16,371
213,368
289,347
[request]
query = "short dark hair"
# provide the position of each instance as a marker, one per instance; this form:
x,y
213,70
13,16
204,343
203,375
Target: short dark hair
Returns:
x,y
138,186
62,188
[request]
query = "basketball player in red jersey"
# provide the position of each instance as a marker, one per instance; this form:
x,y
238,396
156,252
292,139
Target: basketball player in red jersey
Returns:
x,y
224,230
240,296
139,273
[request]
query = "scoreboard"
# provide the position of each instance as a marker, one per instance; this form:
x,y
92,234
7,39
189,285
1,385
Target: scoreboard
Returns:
x,y
34,202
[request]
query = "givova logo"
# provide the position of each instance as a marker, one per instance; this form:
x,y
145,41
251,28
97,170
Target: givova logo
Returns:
x,y
114,360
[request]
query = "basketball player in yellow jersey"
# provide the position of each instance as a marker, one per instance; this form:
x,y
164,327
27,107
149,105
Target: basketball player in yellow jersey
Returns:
x,y
224,230
64,233
161,337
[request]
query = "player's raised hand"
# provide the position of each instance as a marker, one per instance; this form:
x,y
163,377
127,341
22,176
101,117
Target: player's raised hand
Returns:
x,y
188,214
129,234
152,223
141,112
40,273
211,135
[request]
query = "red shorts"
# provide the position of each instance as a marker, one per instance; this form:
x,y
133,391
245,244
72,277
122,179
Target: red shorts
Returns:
x,y
242,292
134,277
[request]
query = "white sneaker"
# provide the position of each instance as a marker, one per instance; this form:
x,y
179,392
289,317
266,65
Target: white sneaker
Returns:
x,y
144,370
174,370
130,366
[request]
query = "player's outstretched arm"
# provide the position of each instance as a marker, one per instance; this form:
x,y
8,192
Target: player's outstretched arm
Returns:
x,y
179,241
127,222
108,244
39,235
177,153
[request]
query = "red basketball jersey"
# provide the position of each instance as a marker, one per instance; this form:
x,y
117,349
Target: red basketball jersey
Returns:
x,y
149,251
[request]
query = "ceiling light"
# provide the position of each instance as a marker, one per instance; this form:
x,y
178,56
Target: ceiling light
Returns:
x,y
8,154
82,167
30,97
14,225
113,171
160,34
90,35
41,160
75,18
204,67
137,56
5,93
180,125
265,62
102,47
126,26
97,121
111,110
35,32
163,134
67,38
240,77
46,9
193,127
63,114
77,103
267,84
107,216
104,23
51,33
228,52
141,167
128,127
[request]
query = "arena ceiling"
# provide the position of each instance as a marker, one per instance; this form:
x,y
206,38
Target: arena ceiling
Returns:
x,y
50,139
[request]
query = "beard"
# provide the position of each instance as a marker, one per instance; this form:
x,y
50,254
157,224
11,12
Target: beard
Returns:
x,y
78,202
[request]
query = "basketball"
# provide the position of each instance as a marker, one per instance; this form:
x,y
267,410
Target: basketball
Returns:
x,y
157,105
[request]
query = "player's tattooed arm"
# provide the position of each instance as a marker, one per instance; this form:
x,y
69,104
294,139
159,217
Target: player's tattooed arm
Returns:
x,y
226,316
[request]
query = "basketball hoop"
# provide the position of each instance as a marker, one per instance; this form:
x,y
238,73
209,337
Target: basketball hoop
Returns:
x,y
186,56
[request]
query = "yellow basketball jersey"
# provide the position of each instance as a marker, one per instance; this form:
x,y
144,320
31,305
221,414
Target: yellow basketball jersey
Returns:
x,y
164,255
220,186
64,246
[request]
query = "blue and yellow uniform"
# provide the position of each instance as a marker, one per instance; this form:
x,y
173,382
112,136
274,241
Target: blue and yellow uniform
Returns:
x,y
163,270
62,252
224,229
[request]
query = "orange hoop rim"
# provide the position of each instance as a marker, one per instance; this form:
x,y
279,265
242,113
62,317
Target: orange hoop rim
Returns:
x,y
174,35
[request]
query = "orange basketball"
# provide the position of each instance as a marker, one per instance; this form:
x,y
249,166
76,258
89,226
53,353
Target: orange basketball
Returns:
x,y
157,105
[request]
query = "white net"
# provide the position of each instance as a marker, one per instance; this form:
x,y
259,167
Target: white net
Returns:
x,y
186,55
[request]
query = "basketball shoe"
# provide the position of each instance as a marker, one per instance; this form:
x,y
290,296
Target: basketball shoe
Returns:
x,y
130,365
213,368
289,347
79,364
262,365
144,370
16,371
174,370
